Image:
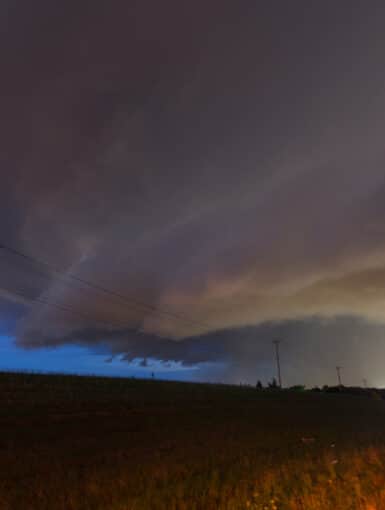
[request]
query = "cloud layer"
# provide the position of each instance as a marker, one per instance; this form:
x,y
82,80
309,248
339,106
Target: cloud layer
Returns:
x,y
223,163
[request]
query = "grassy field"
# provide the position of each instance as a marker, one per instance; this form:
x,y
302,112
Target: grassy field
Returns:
x,y
90,443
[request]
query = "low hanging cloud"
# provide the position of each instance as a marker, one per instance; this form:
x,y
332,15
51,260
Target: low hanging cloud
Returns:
x,y
220,166
310,350
132,345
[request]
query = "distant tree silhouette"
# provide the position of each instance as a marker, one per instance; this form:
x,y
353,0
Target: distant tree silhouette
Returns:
x,y
297,387
273,385
259,385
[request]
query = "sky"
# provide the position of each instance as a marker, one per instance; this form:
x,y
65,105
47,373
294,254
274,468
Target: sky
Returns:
x,y
218,166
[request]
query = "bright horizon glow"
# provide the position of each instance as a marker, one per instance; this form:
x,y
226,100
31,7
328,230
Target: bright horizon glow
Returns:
x,y
77,359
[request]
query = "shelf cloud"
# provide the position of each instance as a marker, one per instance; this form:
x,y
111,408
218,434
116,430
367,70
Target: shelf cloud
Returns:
x,y
218,166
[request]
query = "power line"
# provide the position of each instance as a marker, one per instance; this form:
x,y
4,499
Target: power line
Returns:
x,y
338,369
276,342
65,308
95,286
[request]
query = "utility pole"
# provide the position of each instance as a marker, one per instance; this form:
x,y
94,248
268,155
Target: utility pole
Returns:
x,y
339,375
276,343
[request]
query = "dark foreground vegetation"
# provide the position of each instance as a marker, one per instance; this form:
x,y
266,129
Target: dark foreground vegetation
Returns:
x,y
89,443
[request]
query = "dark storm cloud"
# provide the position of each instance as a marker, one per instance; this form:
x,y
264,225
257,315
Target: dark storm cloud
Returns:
x,y
133,345
310,350
223,161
